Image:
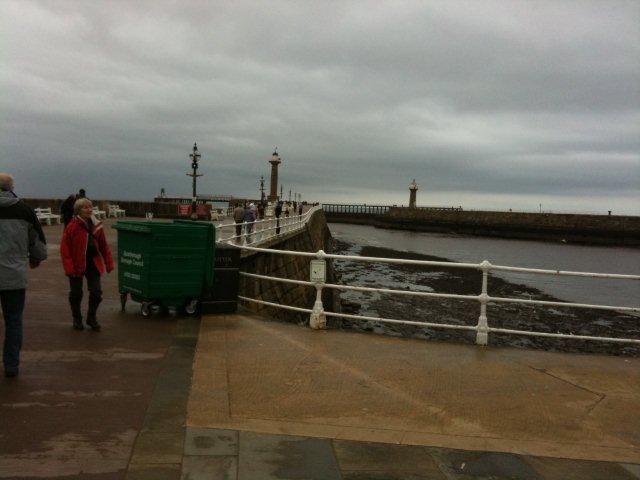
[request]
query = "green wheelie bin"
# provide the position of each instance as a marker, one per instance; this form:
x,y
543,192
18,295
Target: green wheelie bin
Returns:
x,y
165,264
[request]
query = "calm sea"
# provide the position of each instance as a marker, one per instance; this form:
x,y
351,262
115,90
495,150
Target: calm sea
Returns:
x,y
520,253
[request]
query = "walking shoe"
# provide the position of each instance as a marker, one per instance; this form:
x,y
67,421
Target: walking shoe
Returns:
x,y
11,373
77,324
95,326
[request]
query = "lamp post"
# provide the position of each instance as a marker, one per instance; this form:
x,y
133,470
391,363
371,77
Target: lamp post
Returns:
x,y
195,158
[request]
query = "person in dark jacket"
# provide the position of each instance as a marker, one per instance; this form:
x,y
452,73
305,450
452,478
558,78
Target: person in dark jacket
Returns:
x,y
278,212
85,253
66,209
22,243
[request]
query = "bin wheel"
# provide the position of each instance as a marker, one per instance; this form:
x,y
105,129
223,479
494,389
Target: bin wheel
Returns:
x,y
123,301
145,309
191,307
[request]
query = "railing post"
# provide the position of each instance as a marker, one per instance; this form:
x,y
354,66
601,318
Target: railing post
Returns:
x,y
482,334
318,319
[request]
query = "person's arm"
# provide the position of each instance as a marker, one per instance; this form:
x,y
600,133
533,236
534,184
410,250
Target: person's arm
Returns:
x,y
37,242
65,253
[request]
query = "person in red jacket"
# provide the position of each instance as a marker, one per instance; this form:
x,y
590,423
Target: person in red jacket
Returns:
x,y
85,253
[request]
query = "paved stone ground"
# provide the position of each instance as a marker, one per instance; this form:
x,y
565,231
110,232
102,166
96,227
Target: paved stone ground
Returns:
x,y
116,405
80,400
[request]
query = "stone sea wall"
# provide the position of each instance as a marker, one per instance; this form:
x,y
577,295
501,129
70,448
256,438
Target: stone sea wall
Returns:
x,y
314,237
615,230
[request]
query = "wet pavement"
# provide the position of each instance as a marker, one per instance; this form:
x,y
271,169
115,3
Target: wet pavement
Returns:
x,y
237,397
79,401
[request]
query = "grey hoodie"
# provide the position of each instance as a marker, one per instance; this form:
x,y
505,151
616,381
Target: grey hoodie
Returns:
x,y
21,241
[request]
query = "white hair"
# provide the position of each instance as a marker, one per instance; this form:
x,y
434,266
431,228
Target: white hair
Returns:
x,y
81,202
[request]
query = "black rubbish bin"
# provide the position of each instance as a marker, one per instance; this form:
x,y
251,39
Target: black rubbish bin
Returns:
x,y
222,297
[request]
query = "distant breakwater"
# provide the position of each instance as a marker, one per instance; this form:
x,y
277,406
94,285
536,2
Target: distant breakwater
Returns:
x,y
614,230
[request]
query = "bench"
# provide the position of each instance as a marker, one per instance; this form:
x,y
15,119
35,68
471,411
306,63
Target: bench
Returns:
x,y
100,214
116,211
45,215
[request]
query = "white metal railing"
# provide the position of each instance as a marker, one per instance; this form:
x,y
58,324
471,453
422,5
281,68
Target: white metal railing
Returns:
x,y
318,314
259,231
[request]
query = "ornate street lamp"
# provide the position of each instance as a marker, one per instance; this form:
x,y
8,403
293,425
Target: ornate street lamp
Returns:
x,y
195,158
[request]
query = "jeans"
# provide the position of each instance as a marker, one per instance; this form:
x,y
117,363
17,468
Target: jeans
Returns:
x,y
248,229
12,308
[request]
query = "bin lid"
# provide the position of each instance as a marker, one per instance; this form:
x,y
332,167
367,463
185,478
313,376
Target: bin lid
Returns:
x,y
129,226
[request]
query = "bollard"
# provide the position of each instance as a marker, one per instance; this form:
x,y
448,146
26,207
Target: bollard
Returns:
x,y
482,334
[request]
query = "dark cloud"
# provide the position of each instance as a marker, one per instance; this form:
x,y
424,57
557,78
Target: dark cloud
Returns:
x,y
493,103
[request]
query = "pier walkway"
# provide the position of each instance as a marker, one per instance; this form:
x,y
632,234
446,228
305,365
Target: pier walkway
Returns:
x,y
242,397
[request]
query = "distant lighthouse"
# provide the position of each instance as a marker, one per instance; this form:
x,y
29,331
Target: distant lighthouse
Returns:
x,y
413,188
275,161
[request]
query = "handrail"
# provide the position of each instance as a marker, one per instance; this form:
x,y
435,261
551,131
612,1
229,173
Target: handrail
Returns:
x,y
318,314
254,232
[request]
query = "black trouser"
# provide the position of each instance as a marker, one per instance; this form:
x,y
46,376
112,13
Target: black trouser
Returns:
x,y
95,293
12,307
238,232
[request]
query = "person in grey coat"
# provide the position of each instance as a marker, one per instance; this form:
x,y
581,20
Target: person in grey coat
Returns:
x,y
22,245
238,217
249,219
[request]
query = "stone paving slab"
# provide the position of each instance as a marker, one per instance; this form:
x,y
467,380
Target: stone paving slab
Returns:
x,y
211,442
210,468
275,457
380,459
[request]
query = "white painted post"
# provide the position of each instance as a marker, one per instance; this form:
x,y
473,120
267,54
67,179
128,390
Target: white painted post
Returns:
x,y
318,274
482,334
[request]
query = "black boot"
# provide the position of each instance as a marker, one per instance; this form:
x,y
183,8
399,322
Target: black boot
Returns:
x,y
76,312
94,301
93,323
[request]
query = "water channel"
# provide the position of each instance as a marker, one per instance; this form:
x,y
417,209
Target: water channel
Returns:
x,y
519,253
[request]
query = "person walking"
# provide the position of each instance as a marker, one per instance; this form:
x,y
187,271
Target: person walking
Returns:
x,y
238,217
300,208
249,218
22,243
85,253
66,209
278,212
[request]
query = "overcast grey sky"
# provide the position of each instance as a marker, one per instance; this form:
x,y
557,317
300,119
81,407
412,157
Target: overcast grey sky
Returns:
x,y
487,104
